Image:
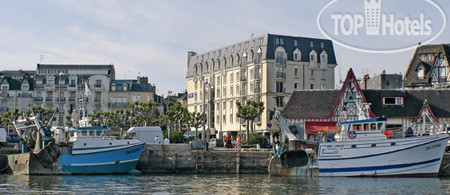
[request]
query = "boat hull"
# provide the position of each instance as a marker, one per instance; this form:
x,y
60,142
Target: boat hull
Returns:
x,y
416,156
59,160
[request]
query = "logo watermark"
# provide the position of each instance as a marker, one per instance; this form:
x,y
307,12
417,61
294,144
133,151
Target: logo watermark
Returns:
x,y
378,26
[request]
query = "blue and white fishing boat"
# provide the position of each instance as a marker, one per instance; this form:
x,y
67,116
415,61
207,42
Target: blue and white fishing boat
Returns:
x,y
363,149
83,150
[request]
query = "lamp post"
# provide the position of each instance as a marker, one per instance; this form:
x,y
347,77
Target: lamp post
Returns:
x,y
59,101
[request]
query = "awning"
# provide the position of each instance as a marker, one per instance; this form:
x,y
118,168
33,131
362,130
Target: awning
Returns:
x,y
315,127
192,133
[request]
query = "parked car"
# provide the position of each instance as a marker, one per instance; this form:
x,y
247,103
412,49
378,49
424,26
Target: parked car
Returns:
x,y
213,142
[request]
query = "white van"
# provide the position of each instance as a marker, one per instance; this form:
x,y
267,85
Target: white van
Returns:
x,y
146,134
3,136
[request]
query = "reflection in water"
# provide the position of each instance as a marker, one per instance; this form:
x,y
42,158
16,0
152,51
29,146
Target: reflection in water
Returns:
x,y
219,184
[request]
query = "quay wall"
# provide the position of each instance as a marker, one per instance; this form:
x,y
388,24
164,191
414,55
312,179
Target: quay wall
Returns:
x,y
445,165
171,158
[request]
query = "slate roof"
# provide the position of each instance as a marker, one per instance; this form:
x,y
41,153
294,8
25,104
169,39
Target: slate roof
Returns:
x,y
15,84
319,103
411,79
268,47
135,86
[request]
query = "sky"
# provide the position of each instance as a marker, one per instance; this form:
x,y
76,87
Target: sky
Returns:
x,y
151,38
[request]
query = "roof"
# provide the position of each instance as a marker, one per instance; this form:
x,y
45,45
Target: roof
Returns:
x,y
267,46
319,103
411,79
135,86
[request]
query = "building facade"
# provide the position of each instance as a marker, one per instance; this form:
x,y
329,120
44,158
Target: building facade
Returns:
x,y
429,68
382,81
267,68
61,87
124,92
16,90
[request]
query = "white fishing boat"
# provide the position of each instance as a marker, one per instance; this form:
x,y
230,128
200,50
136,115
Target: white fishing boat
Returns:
x,y
366,148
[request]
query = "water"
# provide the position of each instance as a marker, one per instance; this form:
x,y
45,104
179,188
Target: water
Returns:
x,y
218,184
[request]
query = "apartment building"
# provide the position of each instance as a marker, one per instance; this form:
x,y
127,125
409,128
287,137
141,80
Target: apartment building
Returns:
x,y
16,90
62,86
124,92
267,68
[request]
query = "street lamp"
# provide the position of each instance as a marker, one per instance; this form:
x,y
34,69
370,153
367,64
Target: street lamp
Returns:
x,y
59,101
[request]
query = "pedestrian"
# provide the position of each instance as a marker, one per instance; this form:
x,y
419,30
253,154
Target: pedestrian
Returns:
x,y
239,142
156,140
166,141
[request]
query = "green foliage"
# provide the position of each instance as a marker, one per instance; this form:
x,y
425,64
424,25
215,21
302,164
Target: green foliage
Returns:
x,y
177,137
249,112
256,138
144,113
196,120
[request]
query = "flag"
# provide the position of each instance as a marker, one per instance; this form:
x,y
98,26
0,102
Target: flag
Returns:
x,y
87,92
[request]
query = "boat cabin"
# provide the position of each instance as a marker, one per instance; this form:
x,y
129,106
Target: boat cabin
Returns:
x,y
88,133
363,130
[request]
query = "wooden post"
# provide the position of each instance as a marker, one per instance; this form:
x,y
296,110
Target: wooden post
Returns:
x,y
238,159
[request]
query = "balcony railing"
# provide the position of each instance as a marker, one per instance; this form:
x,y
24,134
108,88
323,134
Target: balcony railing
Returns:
x,y
38,99
48,99
3,109
4,95
25,95
280,75
63,99
280,61
97,99
50,86
98,86
72,99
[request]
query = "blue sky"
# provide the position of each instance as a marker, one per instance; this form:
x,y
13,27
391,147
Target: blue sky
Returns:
x,y
152,38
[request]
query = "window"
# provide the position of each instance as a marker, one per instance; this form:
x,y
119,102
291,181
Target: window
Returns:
x,y
260,41
253,43
280,101
312,73
218,92
231,78
237,89
311,44
232,49
251,73
280,87
295,85
392,100
72,83
420,72
296,56
246,45
312,85
311,57
295,43
322,45
231,111
280,58
251,86
296,72
224,80
231,90
98,83
224,92
224,113
238,48
237,76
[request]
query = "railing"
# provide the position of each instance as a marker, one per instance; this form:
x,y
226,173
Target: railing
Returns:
x,y
280,75
72,86
280,61
49,85
3,109
98,86
61,86
38,99
25,95
72,99
39,86
97,99
4,95
62,99
48,99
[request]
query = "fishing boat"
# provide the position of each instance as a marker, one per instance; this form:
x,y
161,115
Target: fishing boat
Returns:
x,y
366,148
83,150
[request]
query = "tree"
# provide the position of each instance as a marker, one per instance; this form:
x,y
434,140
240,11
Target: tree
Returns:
x,y
249,112
175,113
102,119
122,119
196,120
144,114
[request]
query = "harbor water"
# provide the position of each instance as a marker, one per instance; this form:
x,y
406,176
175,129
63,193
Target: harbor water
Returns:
x,y
217,184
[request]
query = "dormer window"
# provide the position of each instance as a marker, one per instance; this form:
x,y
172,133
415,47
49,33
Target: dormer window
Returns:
x,y
125,87
392,100
420,72
113,87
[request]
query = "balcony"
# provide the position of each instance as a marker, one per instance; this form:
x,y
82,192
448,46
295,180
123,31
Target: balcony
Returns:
x,y
48,99
25,95
72,99
63,99
38,99
280,75
280,61
243,77
61,86
97,99
49,86
98,86
39,86
3,109
4,95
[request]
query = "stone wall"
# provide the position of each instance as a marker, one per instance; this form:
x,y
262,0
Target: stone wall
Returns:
x,y
445,165
170,158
